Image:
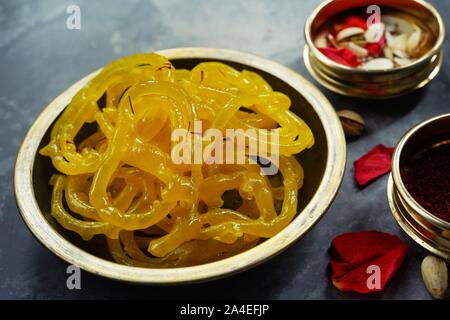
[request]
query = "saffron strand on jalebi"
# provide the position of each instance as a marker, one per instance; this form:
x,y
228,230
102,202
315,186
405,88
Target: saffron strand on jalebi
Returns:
x,y
121,181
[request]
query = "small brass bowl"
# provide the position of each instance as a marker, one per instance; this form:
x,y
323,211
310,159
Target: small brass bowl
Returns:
x,y
421,225
374,84
324,167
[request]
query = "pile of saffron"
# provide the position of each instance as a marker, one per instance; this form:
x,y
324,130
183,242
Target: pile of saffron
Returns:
x,y
427,178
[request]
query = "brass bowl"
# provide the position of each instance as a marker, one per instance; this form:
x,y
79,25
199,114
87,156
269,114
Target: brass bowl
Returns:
x,y
324,167
422,226
374,84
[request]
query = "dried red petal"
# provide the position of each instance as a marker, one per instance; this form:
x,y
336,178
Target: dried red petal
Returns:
x,y
350,21
376,49
343,56
372,165
353,254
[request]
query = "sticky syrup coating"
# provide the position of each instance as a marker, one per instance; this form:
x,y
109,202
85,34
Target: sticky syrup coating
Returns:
x,y
120,181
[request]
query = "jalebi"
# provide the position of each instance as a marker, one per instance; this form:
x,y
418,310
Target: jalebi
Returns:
x,y
121,181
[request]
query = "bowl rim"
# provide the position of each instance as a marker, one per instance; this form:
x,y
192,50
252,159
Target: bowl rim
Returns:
x,y
414,231
398,181
330,63
307,58
320,202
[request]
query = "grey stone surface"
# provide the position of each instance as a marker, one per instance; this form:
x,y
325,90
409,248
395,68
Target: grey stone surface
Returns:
x,y
40,57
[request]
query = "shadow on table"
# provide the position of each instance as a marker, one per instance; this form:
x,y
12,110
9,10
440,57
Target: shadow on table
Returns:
x,y
393,108
261,282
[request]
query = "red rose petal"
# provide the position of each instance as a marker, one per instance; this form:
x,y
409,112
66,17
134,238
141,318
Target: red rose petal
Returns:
x,y
342,56
353,253
374,164
376,49
351,21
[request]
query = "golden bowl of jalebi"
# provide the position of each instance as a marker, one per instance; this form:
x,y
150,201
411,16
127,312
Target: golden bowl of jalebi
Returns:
x,y
100,182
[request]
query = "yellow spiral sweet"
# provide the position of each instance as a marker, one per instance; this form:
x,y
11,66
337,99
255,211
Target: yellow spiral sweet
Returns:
x,y
120,181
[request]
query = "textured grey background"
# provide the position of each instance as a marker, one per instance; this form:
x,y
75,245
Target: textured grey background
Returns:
x,y
39,58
